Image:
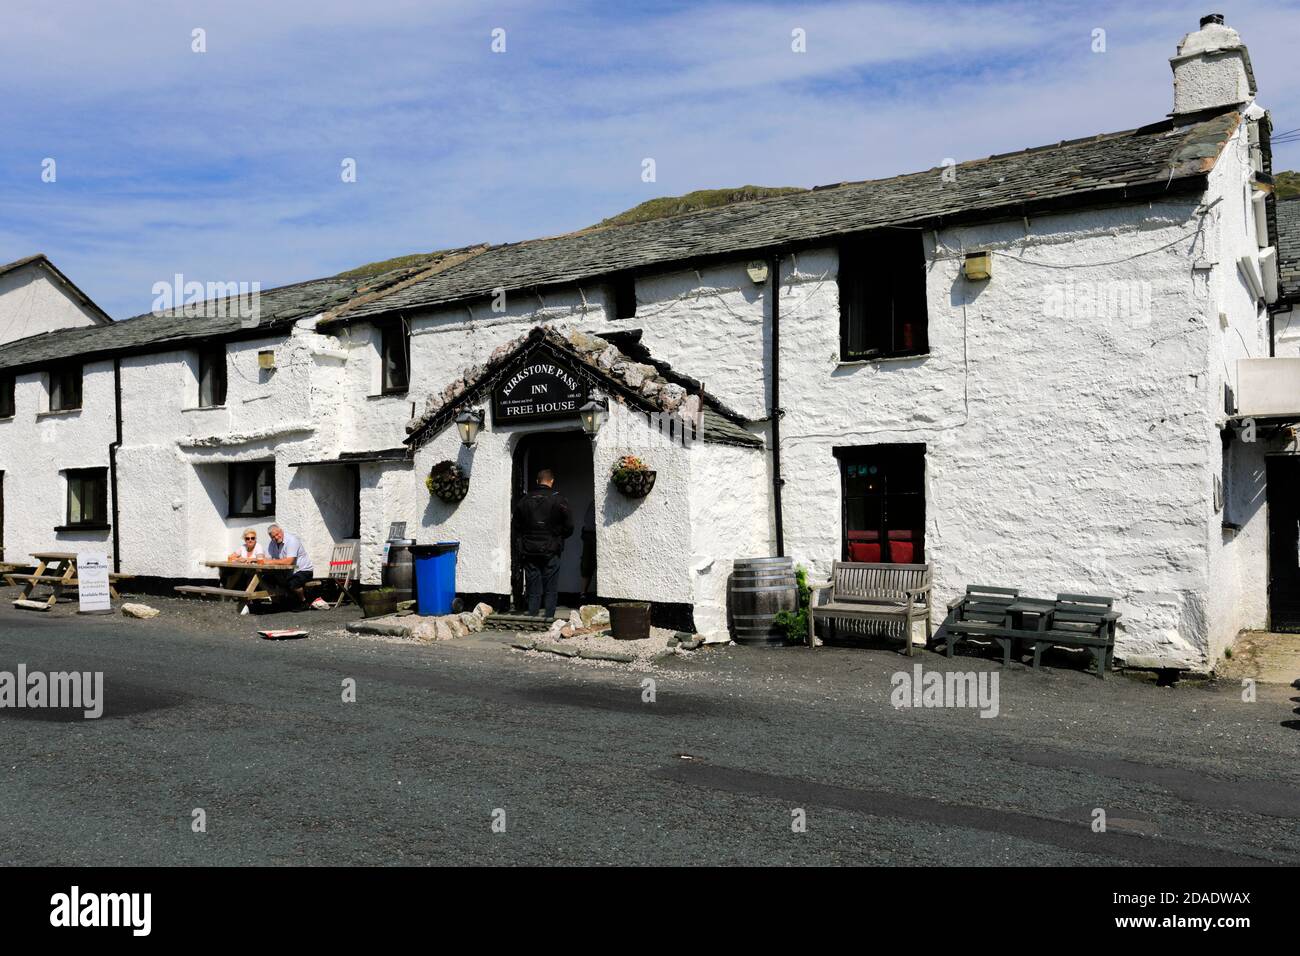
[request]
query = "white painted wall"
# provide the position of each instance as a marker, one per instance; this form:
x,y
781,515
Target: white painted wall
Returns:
x,y
32,301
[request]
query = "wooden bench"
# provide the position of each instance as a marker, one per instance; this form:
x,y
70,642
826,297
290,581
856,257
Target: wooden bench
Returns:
x,y
897,593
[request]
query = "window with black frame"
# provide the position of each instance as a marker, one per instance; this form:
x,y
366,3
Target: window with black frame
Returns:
x,y
395,354
65,388
212,377
884,503
87,497
252,489
881,282
7,396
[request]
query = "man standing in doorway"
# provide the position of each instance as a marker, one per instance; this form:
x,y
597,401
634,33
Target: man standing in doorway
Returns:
x,y
542,523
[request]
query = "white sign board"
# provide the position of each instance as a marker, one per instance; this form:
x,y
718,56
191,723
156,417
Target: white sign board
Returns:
x,y
92,583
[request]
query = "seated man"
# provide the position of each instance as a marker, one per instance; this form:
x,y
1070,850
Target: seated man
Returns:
x,y
285,550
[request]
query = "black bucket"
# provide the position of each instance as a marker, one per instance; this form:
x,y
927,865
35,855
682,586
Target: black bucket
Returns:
x,y
629,620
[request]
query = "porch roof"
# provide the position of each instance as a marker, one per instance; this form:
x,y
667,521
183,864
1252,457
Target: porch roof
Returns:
x,y
634,380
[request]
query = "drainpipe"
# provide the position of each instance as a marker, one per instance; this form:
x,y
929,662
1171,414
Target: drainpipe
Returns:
x,y
774,268
112,464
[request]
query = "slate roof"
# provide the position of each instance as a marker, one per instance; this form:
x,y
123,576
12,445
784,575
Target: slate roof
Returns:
x,y
1169,156
1288,248
640,385
1173,155
279,309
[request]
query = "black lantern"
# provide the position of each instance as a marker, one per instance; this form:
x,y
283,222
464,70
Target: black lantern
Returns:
x,y
593,415
469,423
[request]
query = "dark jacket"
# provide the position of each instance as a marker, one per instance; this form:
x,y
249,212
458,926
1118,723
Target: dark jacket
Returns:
x,y
542,522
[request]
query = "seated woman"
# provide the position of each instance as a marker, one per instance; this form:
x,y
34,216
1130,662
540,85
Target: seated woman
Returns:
x,y
250,549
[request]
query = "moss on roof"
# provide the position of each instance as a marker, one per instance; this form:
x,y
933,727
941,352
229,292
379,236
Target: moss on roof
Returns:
x,y
415,259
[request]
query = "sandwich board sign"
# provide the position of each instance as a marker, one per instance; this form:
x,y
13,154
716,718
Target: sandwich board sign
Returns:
x,y
92,583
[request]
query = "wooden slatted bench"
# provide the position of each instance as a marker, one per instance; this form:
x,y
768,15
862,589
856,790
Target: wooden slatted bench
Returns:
x,y
898,593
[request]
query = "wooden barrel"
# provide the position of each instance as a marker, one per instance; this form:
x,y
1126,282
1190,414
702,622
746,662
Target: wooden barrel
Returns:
x,y
759,588
399,569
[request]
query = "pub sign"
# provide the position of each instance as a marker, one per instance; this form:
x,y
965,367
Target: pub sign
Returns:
x,y
535,390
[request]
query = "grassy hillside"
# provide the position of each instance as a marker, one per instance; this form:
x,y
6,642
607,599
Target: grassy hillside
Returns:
x,y
1288,184
659,208
666,206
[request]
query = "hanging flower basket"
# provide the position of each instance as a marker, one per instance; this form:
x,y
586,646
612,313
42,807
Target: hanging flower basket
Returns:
x,y
633,477
448,481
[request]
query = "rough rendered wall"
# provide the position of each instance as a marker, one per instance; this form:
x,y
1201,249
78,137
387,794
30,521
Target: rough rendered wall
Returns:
x,y
32,302
1237,590
37,446
1065,449
729,520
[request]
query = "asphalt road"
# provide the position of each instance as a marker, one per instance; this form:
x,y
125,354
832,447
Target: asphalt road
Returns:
x,y
257,735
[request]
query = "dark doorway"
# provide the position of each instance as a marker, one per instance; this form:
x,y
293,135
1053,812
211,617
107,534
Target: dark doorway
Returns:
x,y
1283,491
568,454
883,490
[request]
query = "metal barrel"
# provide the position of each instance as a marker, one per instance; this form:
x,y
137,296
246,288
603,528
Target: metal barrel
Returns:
x,y
760,588
399,569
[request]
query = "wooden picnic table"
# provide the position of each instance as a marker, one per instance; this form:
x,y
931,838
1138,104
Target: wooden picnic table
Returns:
x,y
240,580
58,569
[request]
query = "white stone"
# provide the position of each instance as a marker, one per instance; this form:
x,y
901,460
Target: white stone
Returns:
x,y
141,611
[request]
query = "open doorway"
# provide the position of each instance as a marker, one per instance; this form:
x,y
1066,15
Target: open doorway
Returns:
x,y
568,455
1283,490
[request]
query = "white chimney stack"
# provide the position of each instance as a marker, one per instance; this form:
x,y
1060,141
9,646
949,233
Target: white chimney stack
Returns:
x,y
1212,68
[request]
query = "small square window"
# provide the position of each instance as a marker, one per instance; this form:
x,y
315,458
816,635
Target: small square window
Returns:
x,y
252,489
212,377
87,497
65,388
624,298
395,353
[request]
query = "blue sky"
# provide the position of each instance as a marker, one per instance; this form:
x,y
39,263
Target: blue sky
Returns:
x,y
225,165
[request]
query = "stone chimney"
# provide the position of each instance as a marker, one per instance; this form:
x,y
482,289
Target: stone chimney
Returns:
x,y
1212,68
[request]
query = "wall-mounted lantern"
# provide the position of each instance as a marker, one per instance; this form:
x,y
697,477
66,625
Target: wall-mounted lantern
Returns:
x,y
593,415
469,424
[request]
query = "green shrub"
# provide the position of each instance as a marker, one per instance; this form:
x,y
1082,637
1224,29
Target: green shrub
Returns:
x,y
795,623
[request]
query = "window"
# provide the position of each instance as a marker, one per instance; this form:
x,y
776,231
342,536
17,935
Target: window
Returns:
x,y
6,396
624,298
395,349
87,498
65,388
882,296
252,489
212,377
884,503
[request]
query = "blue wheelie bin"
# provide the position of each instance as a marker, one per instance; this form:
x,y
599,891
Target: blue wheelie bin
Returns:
x,y
435,576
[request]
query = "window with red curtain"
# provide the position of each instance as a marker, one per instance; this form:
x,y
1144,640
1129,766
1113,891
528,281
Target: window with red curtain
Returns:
x,y
884,503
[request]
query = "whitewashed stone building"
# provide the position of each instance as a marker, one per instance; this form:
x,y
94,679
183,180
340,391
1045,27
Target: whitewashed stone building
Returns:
x,y
1024,370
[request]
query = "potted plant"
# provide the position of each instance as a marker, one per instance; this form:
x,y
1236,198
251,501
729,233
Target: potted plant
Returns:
x,y
633,477
378,601
448,481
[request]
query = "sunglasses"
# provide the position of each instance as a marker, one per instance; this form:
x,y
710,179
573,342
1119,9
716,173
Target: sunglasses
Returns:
x,y
250,538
